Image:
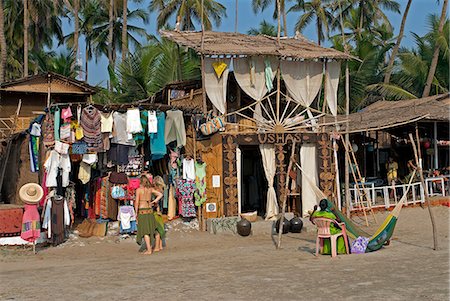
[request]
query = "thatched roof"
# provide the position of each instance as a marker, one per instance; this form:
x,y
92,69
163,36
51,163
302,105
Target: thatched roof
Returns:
x,y
237,44
389,114
60,84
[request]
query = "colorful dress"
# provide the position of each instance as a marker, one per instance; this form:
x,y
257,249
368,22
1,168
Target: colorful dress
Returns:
x,y
185,195
333,230
200,182
31,224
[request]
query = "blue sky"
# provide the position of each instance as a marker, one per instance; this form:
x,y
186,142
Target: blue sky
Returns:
x,y
416,23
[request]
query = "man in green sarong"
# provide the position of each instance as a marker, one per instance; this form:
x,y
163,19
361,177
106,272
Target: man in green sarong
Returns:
x,y
334,228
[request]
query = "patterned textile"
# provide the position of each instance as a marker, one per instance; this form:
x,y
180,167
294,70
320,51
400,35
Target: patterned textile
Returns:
x,y
185,195
104,198
200,182
91,123
48,130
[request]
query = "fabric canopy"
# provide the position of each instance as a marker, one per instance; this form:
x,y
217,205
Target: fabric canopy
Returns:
x,y
332,73
268,159
216,88
250,75
302,79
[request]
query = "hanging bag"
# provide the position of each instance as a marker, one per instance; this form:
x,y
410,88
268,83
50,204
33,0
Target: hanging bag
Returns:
x,y
212,125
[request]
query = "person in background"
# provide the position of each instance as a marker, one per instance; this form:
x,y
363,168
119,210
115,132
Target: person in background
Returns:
x,y
392,168
146,223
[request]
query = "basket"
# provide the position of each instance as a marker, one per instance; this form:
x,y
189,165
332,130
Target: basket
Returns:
x,y
250,216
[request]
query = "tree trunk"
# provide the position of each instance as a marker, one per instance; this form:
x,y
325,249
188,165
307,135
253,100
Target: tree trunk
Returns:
x,y
124,30
110,32
26,24
3,47
387,76
283,12
434,60
86,57
76,33
318,31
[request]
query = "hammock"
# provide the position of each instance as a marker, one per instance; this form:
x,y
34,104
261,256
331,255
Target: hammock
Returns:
x,y
384,232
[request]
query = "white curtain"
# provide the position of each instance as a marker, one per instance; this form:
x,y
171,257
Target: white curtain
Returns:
x,y
253,83
332,73
268,158
302,79
216,88
308,162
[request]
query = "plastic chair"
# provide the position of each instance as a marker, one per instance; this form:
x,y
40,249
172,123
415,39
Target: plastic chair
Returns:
x,y
323,231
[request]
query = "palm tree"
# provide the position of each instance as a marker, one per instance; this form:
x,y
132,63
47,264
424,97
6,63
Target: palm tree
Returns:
x,y
264,28
59,63
3,47
434,60
124,30
149,69
189,11
110,32
26,24
318,10
261,5
90,15
387,76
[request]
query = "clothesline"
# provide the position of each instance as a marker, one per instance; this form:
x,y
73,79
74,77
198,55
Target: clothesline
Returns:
x,y
118,106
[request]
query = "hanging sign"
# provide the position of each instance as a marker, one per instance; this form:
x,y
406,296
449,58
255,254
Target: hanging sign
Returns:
x,y
216,181
279,138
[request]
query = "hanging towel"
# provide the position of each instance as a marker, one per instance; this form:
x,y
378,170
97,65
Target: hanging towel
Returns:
x,y
175,130
268,75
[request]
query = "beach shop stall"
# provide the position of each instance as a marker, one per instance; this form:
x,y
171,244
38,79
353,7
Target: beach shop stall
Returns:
x,y
269,95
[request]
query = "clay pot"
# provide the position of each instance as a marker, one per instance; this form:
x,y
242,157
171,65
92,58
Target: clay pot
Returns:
x,y
296,225
286,225
244,227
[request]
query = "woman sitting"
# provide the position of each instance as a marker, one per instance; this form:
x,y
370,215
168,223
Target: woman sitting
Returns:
x,y
146,222
334,228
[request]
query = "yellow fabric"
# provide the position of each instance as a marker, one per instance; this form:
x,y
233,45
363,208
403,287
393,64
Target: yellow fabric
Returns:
x,y
219,68
381,228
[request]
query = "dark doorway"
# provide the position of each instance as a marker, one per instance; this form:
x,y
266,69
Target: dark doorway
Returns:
x,y
253,181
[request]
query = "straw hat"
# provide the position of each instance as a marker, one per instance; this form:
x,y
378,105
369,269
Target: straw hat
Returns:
x,y
31,193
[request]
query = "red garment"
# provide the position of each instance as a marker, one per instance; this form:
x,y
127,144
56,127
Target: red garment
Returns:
x,y
44,187
31,223
97,200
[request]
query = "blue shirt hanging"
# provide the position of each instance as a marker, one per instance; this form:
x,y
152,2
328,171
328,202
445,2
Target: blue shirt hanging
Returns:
x,y
157,142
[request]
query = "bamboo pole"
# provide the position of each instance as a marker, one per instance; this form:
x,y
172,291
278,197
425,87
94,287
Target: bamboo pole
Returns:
x,y
425,188
283,208
347,140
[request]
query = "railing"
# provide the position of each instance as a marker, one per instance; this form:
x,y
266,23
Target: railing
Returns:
x,y
387,196
7,125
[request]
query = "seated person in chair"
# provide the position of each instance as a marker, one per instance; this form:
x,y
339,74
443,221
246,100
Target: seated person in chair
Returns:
x,y
334,228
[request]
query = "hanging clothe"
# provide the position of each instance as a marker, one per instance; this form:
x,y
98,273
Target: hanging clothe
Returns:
x,y
157,140
174,128
31,223
188,169
120,134
84,173
268,160
152,122
48,130
140,137
56,217
185,194
268,74
332,74
57,122
91,124
200,183
33,146
51,165
133,121
106,120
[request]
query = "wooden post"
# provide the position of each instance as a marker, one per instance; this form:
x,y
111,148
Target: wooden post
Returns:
x,y
283,208
49,88
425,188
347,140
436,157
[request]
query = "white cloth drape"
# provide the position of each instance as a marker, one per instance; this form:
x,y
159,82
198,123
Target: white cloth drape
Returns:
x,y
268,159
216,88
256,87
332,73
302,79
308,162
